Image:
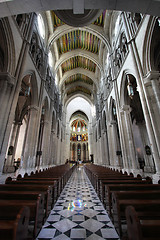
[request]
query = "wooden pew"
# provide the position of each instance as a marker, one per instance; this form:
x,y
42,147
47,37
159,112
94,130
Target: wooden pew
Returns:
x,y
118,181
46,177
36,206
142,201
102,179
57,183
25,195
60,173
110,188
53,184
44,189
14,222
139,228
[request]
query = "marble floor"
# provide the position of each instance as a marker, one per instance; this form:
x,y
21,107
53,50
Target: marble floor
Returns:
x,y
78,214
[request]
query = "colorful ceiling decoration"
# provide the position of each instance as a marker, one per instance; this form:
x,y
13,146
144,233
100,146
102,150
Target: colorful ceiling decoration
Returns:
x,y
78,39
78,123
78,78
79,89
56,21
78,62
100,19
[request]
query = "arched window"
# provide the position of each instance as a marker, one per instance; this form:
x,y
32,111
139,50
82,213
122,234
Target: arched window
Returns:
x,y
41,26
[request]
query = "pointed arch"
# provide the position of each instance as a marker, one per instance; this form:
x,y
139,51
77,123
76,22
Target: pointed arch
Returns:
x,y
7,47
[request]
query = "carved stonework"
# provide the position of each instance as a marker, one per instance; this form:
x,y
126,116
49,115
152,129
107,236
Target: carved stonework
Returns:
x,y
118,58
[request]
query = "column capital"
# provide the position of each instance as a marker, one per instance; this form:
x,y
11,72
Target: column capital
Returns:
x,y
33,107
125,108
18,123
7,77
152,75
113,122
46,122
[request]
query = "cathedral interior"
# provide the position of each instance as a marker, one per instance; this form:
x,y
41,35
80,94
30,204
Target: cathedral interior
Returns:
x,y
80,84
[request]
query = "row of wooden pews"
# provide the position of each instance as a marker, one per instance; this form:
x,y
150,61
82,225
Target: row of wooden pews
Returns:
x,y
26,202
132,203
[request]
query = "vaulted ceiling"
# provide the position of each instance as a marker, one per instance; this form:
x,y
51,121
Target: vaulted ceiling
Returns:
x,y
76,50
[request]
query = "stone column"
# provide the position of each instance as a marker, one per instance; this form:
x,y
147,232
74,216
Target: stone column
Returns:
x,y
58,149
6,87
116,147
87,152
52,149
120,116
16,138
143,95
29,155
45,143
10,158
102,147
12,96
152,86
130,147
100,151
105,145
124,145
149,161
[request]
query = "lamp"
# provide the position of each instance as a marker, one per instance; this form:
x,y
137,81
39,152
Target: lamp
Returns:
x,y
114,111
130,88
27,91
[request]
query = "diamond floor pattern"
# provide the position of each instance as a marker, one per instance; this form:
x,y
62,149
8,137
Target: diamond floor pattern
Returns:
x,y
78,214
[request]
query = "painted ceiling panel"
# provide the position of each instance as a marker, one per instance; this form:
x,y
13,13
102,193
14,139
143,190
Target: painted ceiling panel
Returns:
x,y
78,39
78,62
56,21
78,123
100,20
79,89
78,78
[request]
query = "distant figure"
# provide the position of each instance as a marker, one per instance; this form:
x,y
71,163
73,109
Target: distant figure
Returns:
x,y
66,161
141,163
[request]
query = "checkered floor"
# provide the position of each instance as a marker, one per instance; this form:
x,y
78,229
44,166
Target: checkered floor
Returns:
x,y
78,214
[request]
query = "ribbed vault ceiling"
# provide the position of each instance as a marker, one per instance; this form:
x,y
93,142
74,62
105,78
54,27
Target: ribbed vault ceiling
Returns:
x,y
76,50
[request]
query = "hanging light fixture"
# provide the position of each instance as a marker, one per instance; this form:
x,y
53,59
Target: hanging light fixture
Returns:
x,y
114,111
130,88
27,91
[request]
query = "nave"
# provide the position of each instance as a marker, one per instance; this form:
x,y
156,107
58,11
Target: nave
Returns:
x,y
78,213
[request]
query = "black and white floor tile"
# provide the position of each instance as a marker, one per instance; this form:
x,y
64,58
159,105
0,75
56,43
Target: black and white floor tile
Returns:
x,y
78,214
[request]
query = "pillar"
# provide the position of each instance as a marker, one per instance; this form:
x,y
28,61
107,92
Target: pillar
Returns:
x,y
116,147
29,153
143,95
130,147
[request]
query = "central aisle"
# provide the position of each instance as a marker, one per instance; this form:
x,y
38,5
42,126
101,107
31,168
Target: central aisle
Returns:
x,y
78,214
